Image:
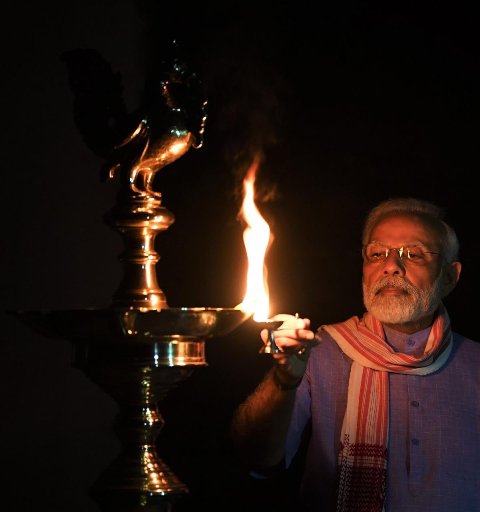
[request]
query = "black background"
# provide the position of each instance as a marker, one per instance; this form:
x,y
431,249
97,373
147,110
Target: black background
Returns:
x,y
349,103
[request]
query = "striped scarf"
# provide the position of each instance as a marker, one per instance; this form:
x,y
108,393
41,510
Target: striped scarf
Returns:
x,y
364,437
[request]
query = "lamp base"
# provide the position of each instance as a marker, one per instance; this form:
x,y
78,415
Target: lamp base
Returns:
x,y
137,357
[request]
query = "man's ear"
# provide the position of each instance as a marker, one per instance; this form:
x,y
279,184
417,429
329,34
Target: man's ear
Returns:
x,y
451,275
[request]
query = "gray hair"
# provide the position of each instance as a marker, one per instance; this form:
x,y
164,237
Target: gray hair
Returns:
x,y
412,207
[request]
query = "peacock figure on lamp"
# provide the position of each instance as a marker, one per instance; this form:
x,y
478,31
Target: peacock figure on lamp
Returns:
x,y
169,121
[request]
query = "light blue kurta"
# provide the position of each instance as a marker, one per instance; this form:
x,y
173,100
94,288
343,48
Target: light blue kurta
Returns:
x,y
434,442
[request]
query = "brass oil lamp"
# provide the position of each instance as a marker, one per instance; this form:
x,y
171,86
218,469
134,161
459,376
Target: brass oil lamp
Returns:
x,y
138,348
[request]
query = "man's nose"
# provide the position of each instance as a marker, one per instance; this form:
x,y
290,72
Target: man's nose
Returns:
x,y
394,264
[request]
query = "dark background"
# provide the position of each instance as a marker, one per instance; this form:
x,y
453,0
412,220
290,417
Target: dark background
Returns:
x,y
350,104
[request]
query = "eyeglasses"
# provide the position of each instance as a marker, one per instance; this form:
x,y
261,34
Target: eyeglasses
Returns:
x,y
375,252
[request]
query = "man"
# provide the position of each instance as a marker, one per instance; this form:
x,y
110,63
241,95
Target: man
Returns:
x,y
389,403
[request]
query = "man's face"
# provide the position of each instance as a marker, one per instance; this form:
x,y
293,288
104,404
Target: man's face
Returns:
x,y
398,290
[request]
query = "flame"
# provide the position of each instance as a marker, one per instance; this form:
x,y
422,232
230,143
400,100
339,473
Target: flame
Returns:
x,y
257,239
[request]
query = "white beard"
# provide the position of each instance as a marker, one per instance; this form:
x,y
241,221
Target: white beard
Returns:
x,y
408,307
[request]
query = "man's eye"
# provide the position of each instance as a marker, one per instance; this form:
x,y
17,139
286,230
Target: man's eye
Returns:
x,y
415,254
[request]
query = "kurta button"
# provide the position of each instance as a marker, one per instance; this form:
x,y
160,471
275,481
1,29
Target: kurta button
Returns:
x,y
415,442
414,403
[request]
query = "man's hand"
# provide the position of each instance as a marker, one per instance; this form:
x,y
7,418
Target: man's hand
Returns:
x,y
294,339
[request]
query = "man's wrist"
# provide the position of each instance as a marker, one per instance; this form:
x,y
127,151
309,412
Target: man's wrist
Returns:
x,y
284,383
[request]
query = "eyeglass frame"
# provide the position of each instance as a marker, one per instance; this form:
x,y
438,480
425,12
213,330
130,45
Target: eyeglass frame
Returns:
x,y
404,249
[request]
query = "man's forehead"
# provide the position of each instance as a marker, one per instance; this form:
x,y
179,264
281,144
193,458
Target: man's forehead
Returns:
x,y
404,225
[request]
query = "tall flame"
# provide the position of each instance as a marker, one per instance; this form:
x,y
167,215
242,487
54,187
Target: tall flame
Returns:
x,y
256,238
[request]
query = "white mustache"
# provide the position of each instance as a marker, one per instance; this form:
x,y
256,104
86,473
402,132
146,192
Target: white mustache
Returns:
x,y
393,282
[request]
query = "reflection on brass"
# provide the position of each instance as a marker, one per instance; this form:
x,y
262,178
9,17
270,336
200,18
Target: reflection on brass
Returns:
x,y
139,477
127,326
157,478
139,220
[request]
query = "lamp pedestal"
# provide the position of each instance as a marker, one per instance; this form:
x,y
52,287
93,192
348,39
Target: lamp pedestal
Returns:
x,y
137,350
